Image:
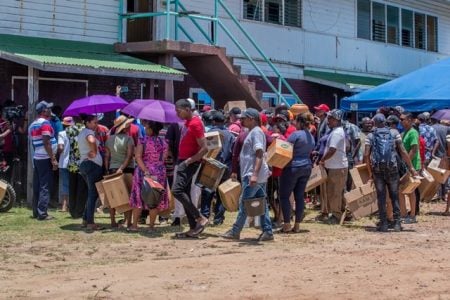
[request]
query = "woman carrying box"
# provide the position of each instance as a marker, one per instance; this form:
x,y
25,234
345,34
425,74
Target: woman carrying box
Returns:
x,y
296,174
119,151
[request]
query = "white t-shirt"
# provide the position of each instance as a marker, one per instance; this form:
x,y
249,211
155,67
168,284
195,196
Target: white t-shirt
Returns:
x,y
336,140
64,157
83,146
255,140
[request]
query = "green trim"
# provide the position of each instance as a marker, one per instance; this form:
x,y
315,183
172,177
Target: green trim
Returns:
x,y
41,52
345,78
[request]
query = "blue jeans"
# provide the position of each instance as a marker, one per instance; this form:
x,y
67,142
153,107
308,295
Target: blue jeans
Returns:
x,y
205,208
249,192
91,173
390,180
294,179
42,187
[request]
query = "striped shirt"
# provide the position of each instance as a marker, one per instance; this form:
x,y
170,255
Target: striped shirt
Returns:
x,y
36,131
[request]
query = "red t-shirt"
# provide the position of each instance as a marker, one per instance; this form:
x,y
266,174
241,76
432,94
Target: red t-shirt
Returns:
x,y
134,133
192,130
289,131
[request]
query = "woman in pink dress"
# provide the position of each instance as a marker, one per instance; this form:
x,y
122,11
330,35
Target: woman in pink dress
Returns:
x,y
150,154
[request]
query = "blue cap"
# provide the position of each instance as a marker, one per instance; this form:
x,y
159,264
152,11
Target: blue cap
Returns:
x,y
41,106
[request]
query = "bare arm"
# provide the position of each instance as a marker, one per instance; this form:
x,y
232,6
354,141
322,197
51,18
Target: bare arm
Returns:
x,y
331,151
107,157
435,147
256,167
92,141
367,151
138,155
128,158
199,155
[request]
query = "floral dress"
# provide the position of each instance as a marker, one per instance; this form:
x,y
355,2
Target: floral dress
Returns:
x,y
155,149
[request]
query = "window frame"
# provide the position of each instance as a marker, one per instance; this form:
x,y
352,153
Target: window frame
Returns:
x,y
400,26
282,13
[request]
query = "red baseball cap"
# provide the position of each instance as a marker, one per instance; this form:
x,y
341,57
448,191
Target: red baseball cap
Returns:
x,y
322,107
263,118
206,108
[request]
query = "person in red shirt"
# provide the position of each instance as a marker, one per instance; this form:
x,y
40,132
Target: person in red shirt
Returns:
x,y
191,150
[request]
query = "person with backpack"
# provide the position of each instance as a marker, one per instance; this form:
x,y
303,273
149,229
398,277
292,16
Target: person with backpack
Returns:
x,y
225,157
380,155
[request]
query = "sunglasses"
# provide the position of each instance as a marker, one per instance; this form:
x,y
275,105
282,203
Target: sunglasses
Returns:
x,y
402,119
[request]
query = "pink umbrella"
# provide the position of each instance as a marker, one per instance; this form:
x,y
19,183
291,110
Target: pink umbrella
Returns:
x,y
152,110
95,104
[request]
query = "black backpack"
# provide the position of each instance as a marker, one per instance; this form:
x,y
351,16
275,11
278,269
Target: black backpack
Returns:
x,y
384,155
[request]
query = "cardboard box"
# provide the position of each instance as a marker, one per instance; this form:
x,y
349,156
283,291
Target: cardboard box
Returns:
x,y
362,201
213,143
210,174
3,188
360,175
230,192
318,176
117,191
431,191
438,169
102,194
427,183
230,104
279,153
408,184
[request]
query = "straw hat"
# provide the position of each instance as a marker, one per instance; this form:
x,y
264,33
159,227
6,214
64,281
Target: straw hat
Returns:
x,y
298,109
122,122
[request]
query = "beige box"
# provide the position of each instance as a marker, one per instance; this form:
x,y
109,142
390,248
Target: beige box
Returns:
x,y
213,143
438,169
230,192
362,201
102,194
117,191
3,188
427,183
230,104
360,175
431,191
317,177
408,184
279,153
210,174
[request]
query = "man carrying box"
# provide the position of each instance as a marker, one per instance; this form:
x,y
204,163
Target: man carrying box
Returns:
x,y
380,156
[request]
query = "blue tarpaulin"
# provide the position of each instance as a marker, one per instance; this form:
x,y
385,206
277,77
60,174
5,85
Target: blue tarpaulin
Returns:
x,y
423,90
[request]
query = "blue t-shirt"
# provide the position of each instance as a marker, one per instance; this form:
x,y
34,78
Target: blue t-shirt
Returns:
x,y
304,144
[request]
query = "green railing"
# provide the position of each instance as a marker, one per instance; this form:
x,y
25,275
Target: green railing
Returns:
x,y
176,10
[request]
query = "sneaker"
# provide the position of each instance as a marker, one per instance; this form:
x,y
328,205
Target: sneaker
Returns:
x,y
397,226
230,235
46,218
410,220
265,237
383,227
321,218
176,222
333,220
218,222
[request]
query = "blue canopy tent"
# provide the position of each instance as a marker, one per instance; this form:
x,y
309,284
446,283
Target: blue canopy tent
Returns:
x,y
423,90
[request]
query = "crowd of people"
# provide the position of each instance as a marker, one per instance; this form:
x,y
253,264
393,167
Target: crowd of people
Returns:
x,y
391,143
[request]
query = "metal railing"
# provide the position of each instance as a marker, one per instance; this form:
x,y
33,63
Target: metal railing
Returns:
x,y
180,11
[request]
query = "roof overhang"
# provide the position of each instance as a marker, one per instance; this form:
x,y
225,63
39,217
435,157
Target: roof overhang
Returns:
x,y
66,57
346,82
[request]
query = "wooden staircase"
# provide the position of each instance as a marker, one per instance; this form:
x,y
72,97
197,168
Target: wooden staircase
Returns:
x,y
208,65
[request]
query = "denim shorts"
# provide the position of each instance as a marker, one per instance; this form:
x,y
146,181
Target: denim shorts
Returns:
x,y
63,183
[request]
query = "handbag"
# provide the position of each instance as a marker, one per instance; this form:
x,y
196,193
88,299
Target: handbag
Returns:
x,y
151,192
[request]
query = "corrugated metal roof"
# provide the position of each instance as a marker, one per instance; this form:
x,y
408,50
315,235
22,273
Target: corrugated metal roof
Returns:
x,y
76,54
345,78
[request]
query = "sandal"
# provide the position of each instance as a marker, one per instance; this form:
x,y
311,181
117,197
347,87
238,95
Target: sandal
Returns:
x,y
94,227
185,235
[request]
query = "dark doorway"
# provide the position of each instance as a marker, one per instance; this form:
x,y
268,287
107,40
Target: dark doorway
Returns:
x,y
140,30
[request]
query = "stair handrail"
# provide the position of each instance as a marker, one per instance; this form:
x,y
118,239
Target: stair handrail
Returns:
x,y
213,40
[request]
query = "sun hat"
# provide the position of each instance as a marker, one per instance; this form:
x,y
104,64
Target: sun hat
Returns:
x,y
122,122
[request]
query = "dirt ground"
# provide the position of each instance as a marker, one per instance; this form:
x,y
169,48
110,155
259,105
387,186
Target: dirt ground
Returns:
x,y
60,261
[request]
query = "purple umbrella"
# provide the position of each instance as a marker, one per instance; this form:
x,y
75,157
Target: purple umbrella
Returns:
x,y
152,110
95,104
443,114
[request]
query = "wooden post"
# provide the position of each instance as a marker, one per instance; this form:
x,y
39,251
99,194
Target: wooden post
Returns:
x,y
33,96
166,86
